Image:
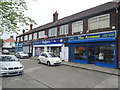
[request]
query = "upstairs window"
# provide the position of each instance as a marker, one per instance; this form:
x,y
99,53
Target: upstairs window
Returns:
x,y
52,32
63,29
18,39
102,21
35,36
77,27
25,37
21,38
30,36
41,34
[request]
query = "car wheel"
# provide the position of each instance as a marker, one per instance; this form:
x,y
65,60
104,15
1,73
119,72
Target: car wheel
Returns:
x,y
48,63
38,61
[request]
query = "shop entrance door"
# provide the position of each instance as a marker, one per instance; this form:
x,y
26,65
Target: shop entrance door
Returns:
x,y
91,55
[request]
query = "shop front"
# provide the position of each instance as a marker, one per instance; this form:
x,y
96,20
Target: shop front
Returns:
x,y
50,45
19,47
99,49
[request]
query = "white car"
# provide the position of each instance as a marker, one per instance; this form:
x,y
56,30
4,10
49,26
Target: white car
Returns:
x,y
22,55
49,59
10,65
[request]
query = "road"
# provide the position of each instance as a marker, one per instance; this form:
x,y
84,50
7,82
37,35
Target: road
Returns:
x,y
43,76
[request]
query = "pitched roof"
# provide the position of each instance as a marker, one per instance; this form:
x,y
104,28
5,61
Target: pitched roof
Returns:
x,y
92,11
9,40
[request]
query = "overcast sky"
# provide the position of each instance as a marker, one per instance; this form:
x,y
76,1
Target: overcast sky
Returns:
x,y
42,10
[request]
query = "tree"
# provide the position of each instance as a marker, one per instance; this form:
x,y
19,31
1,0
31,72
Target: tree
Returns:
x,y
12,16
1,42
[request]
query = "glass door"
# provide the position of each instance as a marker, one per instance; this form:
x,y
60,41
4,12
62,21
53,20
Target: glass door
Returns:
x,y
91,54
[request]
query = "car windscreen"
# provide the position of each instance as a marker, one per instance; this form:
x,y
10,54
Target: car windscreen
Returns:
x,y
8,58
52,55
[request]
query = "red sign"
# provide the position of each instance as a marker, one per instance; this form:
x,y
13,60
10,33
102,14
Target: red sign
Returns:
x,y
81,47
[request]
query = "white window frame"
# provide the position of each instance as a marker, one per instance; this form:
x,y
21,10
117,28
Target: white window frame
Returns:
x,y
77,27
53,32
35,35
98,23
41,34
30,36
21,38
25,37
64,29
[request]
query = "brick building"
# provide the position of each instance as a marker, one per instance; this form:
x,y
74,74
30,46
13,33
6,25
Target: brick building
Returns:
x,y
81,37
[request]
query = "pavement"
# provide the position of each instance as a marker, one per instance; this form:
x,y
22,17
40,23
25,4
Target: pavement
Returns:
x,y
91,67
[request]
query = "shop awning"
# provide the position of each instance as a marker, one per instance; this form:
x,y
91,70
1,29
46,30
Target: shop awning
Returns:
x,y
38,45
92,40
49,45
53,45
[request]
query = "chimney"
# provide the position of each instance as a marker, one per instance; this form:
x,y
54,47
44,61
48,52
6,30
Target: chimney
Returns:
x,y
23,31
31,26
55,16
11,36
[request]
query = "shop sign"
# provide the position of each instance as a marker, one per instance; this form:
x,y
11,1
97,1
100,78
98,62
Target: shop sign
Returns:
x,y
20,44
94,36
50,41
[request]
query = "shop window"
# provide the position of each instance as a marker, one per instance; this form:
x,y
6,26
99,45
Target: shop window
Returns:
x,y
80,53
39,50
105,54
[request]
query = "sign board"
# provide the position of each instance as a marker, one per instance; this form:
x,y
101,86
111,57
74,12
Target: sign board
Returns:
x,y
94,36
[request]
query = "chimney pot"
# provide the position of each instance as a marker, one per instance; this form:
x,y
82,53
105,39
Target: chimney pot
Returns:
x,y
31,25
11,36
23,31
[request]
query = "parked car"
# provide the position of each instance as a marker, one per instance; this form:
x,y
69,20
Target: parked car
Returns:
x,y
5,51
22,55
10,65
49,58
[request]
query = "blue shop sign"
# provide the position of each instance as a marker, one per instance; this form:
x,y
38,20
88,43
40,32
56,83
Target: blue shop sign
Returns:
x,y
50,41
93,37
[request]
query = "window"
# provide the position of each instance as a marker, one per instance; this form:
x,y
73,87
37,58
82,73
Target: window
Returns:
x,y
30,36
18,39
41,34
97,22
63,29
35,36
52,32
77,26
105,53
80,53
21,38
25,37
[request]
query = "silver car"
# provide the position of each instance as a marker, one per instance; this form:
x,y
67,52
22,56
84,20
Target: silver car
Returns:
x,y
22,55
10,65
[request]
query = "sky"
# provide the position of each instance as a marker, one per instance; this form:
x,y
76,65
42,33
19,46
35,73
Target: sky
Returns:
x,y
42,10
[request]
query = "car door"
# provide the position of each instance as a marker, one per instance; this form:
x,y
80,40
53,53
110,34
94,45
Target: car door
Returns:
x,y
45,58
42,57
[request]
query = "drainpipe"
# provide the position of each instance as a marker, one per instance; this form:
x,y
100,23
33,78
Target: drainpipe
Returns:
x,y
117,28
